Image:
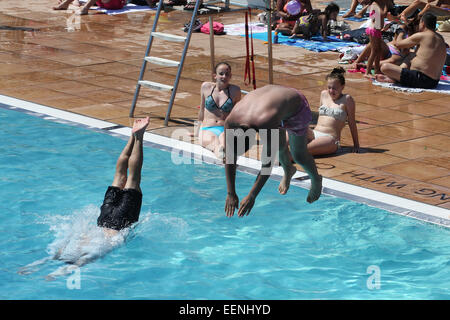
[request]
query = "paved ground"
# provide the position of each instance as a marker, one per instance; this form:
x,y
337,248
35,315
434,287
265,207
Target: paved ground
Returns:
x,y
90,64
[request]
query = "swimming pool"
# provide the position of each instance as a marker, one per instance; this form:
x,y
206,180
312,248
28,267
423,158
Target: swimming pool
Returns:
x,y
54,176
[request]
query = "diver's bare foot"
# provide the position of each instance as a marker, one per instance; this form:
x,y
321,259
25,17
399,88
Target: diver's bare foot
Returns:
x,y
139,126
348,14
316,190
286,180
62,5
383,78
369,76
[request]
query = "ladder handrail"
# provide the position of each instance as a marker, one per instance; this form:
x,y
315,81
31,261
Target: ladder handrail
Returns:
x,y
180,68
144,64
180,65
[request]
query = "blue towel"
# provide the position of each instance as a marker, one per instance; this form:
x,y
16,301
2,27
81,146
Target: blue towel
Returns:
x,y
315,44
356,19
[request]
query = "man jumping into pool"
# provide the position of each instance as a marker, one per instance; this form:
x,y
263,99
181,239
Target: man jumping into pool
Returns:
x,y
270,107
121,208
123,199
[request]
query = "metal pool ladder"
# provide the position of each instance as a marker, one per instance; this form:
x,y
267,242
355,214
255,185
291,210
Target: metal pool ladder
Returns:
x,y
164,62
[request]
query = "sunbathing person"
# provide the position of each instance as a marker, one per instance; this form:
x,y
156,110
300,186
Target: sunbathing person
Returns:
x,y
120,209
310,25
269,110
217,100
106,4
441,8
352,11
424,69
287,21
393,10
335,109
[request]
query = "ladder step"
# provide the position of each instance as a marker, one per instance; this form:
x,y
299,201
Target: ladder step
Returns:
x,y
155,85
168,37
162,61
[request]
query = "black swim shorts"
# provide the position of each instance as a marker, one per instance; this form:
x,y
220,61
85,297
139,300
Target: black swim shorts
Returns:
x,y
417,79
120,208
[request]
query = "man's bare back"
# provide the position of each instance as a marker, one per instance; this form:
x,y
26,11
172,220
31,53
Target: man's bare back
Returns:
x,y
268,114
430,55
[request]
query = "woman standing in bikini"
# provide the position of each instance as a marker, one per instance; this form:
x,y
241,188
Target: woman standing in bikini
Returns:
x,y
335,109
217,100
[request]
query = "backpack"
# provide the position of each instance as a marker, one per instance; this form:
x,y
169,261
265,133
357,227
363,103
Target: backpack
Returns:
x,y
218,28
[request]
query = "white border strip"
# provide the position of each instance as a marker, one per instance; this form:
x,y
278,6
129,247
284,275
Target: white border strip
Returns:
x,y
57,113
392,203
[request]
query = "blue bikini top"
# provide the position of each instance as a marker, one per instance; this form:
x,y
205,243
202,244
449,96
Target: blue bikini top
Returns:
x,y
211,105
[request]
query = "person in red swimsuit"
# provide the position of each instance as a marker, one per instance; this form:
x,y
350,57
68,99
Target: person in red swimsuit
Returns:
x,y
378,11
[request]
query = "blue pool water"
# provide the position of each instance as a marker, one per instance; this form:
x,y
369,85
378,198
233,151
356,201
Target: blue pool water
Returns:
x,y
184,247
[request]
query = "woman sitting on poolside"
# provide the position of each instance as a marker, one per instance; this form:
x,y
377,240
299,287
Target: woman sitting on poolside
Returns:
x,y
218,98
335,108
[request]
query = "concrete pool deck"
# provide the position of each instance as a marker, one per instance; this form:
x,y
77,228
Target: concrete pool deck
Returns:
x,y
89,65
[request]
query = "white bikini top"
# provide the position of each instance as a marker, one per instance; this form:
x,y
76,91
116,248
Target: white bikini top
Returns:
x,y
337,113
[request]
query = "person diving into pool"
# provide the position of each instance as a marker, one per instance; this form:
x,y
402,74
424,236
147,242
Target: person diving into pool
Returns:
x,y
276,109
123,199
120,209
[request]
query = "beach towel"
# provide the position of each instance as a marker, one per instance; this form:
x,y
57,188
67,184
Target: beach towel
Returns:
x,y
315,44
126,9
442,87
238,29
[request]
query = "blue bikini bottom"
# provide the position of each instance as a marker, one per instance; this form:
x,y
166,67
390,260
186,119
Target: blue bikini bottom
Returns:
x,y
217,130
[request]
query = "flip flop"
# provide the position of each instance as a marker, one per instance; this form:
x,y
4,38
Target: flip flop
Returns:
x,y
190,6
362,70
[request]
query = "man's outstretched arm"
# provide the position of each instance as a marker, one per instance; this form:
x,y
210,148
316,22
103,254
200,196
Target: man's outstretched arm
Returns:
x,y
408,42
267,160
